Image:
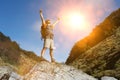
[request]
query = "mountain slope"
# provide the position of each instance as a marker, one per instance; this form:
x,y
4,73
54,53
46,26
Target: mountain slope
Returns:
x,y
102,31
102,59
12,55
99,53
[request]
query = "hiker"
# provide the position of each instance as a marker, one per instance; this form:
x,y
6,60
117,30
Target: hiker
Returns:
x,y
47,36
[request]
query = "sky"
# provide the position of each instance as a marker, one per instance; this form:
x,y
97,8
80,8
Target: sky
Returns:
x,y
20,20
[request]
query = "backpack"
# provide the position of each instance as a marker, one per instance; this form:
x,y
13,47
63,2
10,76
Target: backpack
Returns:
x,y
46,33
43,32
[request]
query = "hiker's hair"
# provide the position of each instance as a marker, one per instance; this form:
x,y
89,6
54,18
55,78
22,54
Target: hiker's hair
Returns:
x,y
47,21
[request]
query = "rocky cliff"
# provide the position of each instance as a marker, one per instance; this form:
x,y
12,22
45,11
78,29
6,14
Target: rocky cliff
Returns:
x,y
99,53
12,55
99,33
18,64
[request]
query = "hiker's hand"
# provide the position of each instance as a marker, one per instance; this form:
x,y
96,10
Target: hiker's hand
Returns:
x,y
40,11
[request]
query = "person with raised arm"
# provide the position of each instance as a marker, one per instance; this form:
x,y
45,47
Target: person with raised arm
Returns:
x,y
47,35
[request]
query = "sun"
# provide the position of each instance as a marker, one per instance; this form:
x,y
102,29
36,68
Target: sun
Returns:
x,y
74,20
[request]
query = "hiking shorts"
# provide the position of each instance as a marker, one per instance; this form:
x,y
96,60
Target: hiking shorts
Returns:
x,y
49,43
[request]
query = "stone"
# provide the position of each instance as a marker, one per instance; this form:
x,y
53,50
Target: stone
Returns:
x,y
6,73
108,78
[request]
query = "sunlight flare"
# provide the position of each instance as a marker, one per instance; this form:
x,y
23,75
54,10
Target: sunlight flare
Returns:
x,y
76,20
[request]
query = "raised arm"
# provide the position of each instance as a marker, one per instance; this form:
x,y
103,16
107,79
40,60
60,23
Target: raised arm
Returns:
x,y
42,18
55,22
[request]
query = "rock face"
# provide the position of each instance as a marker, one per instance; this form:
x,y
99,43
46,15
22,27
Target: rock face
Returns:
x,y
6,73
102,59
15,57
108,78
45,71
99,53
53,71
101,32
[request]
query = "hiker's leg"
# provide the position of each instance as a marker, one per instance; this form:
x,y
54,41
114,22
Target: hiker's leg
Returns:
x,y
52,49
51,55
45,46
43,51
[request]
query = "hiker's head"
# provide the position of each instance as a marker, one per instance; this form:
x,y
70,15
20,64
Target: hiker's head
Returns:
x,y
47,21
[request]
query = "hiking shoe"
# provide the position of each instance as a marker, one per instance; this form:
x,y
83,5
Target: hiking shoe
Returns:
x,y
53,60
42,58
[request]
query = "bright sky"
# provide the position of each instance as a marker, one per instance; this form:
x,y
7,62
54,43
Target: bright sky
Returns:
x,y
20,20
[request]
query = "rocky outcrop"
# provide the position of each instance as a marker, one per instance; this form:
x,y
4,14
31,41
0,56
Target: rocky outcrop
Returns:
x,y
108,78
48,71
102,59
56,71
101,32
45,71
7,73
12,55
99,53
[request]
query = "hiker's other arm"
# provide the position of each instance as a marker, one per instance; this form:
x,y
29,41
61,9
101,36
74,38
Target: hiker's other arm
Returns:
x,y
55,22
42,18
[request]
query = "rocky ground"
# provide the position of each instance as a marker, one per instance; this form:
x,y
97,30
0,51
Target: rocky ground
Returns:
x,y
56,71
45,71
48,71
